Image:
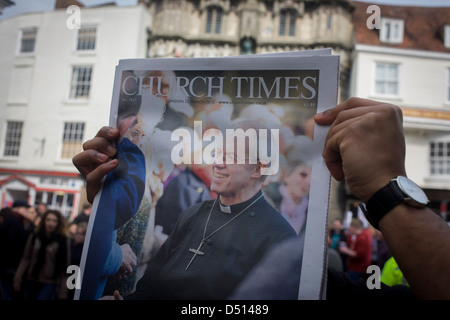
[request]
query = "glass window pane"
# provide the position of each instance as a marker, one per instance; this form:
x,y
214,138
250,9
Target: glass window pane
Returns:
x,y
392,71
28,40
86,38
218,20
379,72
13,138
282,23
379,87
72,139
292,24
81,82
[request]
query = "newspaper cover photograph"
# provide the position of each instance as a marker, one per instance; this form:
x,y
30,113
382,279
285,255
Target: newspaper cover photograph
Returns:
x,y
219,163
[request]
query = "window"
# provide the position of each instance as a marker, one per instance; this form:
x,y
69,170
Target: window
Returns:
x,y
391,30
72,139
28,40
440,158
447,93
58,200
329,21
287,23
447,36
386,79
213,20
86,38
13,138
81,82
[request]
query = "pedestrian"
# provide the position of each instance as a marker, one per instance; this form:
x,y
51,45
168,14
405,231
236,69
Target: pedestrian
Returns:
x,y
45,260
14,231
358,250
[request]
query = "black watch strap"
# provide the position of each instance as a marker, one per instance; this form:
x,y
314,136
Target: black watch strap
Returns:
x,y
382,202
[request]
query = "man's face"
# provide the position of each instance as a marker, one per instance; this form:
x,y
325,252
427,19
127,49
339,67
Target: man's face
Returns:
x,y
230,180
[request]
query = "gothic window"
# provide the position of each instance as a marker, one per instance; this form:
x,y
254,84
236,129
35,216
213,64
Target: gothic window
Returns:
x,y
214,20
287,23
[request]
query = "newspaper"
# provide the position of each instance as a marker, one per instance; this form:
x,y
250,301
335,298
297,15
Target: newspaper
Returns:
x,y
175,116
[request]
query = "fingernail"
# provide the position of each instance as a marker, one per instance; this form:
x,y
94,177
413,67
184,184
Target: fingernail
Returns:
x,y
111,150
325,113
112,131
101,156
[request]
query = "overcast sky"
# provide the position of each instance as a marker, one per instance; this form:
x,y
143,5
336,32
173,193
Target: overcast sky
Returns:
x,y
44,5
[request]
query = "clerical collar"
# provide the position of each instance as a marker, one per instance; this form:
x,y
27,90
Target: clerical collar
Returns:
x,y
235,208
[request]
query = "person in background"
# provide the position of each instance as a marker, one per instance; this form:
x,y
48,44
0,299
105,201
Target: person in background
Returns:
x,y
358,250
84,214
338,238
391,274
14,231
380,252
76,248
45,260
41,208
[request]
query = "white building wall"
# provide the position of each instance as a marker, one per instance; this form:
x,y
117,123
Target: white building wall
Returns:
x,y
423,84
35,87
423,76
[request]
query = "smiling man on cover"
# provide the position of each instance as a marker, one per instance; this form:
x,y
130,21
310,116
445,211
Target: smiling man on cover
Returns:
x,y
215,243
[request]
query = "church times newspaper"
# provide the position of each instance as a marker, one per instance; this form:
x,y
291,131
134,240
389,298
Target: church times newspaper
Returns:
x,y
179,114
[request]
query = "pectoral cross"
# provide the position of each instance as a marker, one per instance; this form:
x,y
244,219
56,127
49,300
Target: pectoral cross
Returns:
x,y
196,252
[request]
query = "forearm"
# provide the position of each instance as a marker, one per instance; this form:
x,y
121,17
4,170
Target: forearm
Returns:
x,y
420,243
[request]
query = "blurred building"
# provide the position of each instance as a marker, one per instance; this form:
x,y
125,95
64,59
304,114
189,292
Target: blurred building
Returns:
x,y
406,62
56,82
55,92
218,28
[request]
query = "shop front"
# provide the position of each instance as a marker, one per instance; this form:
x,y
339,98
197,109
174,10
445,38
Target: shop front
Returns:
x,y
58,190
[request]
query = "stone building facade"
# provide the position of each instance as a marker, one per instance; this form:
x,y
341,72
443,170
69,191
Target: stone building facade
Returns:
x,y
219,28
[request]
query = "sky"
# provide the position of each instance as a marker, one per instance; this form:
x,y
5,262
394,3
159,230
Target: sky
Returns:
x,y
22,6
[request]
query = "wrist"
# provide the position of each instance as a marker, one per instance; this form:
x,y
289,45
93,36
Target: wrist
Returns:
x,y
396,217
398,191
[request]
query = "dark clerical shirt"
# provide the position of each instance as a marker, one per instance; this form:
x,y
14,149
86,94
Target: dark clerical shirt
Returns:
x,y
228,255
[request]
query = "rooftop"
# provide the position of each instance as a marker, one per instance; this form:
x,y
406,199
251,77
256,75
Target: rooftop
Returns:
x,y
424,27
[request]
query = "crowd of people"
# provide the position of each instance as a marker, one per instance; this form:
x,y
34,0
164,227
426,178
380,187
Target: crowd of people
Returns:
x,y
37,244
354,245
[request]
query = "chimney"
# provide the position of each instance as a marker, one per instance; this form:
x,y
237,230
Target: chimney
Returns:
x,y
63,4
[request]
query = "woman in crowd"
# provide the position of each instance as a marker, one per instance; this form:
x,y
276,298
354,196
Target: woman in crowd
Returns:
x,y
45,260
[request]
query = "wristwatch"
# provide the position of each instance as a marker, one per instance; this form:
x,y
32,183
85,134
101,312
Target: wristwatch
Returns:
x,y
398,190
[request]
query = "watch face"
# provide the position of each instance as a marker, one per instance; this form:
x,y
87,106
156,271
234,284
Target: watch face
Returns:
x,y
412,190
